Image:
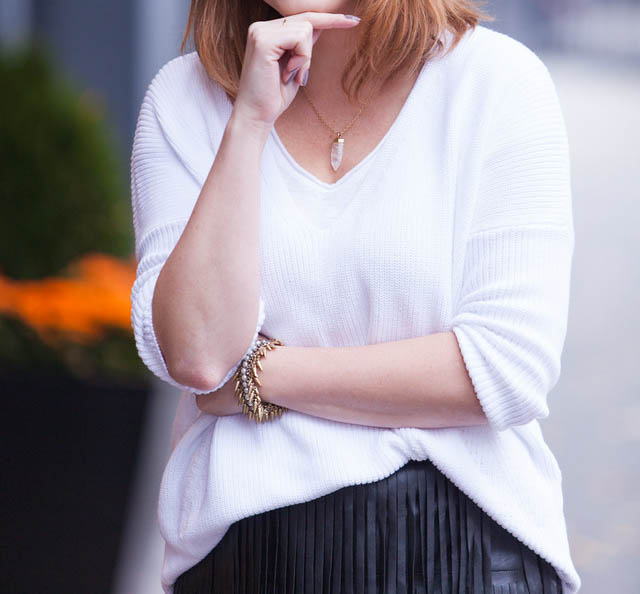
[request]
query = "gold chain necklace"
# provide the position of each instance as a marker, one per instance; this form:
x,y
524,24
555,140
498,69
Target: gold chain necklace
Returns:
x,y
337,147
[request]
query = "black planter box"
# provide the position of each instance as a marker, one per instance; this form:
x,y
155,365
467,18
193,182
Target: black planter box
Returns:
x,y
69,455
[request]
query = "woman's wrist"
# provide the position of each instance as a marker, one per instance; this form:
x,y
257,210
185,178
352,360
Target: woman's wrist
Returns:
x,y
247,383
271,373
247,128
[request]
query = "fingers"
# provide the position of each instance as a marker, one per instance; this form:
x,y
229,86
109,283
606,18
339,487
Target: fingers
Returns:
x,y
299,60
322,20
297,42
278,47
201,402
303,30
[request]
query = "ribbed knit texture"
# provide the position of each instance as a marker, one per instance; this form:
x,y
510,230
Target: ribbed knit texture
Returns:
x,y
460,219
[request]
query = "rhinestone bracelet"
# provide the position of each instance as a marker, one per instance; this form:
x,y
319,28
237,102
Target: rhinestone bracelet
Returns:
x,y
247,382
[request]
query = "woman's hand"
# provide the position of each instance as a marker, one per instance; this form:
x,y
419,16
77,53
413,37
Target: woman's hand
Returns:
x,y
273,51
222,402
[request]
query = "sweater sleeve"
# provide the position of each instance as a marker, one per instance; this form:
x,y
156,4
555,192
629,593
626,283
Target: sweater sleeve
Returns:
x,y
167,175
510,317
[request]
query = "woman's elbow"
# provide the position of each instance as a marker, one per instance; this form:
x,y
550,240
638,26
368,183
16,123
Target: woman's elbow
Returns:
x,y
198,378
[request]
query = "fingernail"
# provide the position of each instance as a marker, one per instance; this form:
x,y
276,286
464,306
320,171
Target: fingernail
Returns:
x,y
293,73
351,16
305,77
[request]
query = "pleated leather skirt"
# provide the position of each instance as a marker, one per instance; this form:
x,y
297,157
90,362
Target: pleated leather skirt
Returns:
x,y
411,532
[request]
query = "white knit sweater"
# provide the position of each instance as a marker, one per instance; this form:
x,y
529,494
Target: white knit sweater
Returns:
x,y
460,219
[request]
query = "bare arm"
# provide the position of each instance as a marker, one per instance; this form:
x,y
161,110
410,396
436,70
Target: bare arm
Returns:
x,y
418,382
206,298
382,385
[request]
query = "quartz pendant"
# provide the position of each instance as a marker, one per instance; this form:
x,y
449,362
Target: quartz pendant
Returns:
x,y
337,149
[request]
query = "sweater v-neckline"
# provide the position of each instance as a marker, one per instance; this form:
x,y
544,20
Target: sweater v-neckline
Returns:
x,y
364,161
314,180
325,187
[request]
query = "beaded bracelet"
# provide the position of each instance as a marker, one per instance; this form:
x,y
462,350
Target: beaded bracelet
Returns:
x,y
247,382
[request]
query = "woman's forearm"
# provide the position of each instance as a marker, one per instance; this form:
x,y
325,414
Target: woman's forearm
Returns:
x,y
205,303
418,382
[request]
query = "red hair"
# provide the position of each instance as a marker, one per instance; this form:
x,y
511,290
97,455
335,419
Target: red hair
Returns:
x,y
398,33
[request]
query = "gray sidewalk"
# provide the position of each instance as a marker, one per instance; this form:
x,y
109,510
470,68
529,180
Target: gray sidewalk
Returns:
x,y
594,425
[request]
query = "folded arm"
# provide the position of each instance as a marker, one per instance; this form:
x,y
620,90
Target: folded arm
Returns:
x,y
417,382
195,303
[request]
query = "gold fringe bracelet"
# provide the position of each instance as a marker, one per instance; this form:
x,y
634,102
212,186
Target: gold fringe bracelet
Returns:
x,y
247,382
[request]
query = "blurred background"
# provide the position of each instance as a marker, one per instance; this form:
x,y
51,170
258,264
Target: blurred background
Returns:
x,y
87,427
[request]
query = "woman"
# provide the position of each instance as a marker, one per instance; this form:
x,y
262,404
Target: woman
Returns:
x,y
406,256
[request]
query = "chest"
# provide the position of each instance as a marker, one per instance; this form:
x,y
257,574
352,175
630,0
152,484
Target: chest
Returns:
x,y
308,129
386,262
373,257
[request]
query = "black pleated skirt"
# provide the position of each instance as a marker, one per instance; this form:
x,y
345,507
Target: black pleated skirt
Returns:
x,y
411,532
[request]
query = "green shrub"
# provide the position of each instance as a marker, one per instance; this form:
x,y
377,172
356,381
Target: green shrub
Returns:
x,y
63,194
62,187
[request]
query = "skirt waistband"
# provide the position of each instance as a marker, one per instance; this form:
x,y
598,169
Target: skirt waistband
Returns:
x,y
412,531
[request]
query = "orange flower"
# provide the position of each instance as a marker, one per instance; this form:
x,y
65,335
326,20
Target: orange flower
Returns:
x,y
81,306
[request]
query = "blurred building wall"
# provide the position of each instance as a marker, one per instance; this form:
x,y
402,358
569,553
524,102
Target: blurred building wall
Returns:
x,y
159,25
112,48
93,43
15,21
600,30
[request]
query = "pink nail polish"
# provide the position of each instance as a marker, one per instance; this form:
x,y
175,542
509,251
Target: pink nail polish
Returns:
x,y
293,73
